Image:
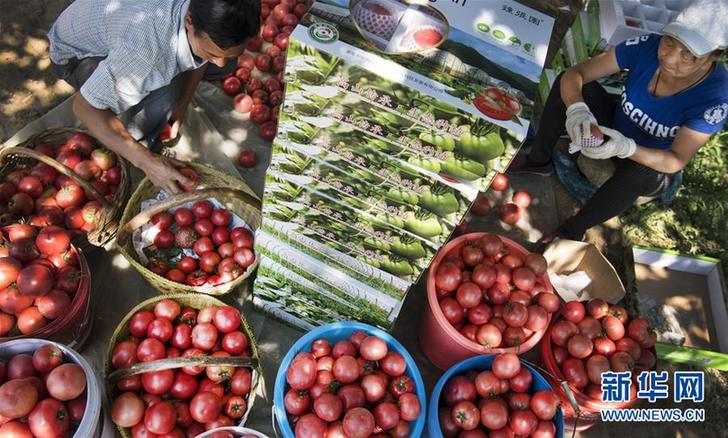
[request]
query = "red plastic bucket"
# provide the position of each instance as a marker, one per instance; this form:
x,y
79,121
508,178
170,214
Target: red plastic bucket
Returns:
x,y
589,407
443,345
73,328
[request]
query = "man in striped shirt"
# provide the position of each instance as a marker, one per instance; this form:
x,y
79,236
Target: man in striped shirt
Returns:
x,y
137,63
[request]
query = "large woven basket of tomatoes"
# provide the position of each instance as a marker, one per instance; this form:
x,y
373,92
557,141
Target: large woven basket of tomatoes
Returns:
x,y
181,364
349,379
198,241
588,339
486,294
64,177
44,286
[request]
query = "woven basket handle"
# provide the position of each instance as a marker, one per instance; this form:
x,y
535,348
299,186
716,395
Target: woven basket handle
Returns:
x,y
60,168
146,215
181,362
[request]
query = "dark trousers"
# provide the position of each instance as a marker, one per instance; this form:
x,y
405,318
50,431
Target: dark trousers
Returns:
x,y
629,181
145,120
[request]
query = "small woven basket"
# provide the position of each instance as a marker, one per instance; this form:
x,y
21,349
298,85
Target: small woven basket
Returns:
x,y
232,192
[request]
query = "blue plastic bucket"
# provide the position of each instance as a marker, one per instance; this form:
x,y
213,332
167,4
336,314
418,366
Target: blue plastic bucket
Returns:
x,y
333,333
482,363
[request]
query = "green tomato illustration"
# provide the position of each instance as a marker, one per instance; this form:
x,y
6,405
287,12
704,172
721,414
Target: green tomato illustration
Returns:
x,y
483,27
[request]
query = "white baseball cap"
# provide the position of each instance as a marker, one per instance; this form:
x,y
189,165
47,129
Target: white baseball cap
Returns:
x,y
701,26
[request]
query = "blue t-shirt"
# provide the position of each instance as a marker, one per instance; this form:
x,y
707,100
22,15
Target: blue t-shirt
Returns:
x,y
654,121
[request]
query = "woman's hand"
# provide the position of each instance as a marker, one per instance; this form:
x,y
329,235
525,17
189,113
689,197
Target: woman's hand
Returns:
x,y
617,146
578,122
162,173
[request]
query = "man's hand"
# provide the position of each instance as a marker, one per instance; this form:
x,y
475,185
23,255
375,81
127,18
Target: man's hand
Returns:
x,y
162,173
617,146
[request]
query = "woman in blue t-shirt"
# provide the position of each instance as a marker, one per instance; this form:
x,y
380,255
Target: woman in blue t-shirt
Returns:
x,y
675,97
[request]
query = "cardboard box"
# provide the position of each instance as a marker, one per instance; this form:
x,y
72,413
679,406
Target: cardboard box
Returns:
x,y
567,257
683,297
396,114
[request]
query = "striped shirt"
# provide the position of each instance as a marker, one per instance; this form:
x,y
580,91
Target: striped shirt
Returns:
x,y
144,42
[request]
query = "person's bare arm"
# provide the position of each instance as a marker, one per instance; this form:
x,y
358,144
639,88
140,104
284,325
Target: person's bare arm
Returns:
x,y
191,80
683,148
594,68
110,131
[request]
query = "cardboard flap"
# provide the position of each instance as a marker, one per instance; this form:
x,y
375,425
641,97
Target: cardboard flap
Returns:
x,y
568,256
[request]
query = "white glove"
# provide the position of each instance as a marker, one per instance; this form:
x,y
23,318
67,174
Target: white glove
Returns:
x,y
578,122
617,146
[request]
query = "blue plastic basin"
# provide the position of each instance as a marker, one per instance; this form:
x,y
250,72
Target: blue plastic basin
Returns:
x,y
333,333
482,363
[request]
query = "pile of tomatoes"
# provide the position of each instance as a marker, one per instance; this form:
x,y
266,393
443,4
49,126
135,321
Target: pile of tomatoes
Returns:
x,y
40,395
598,337
39,277
492,296
510,212
185,400
354,389
40,196
218,253
261,94
497,403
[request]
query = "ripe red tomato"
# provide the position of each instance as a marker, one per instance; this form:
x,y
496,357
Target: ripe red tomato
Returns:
x,y
579,346
163,220
500,182
506,365
522,199
244,257
160,418
613,327
452,311
573,311
254,84
269,32
183,217
562,331
49,418
296,402
279,64
448,277
574,372
164,239
273,50
35,280
127,410
254,45
242,103
149,350
247,158
268,130
204,336
468,295
157,382
232,86
510,213
466,415
226,319
31,186
260,114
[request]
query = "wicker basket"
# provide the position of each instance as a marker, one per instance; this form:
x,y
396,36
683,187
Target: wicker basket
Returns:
x,y
185,300
24,155
230,191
